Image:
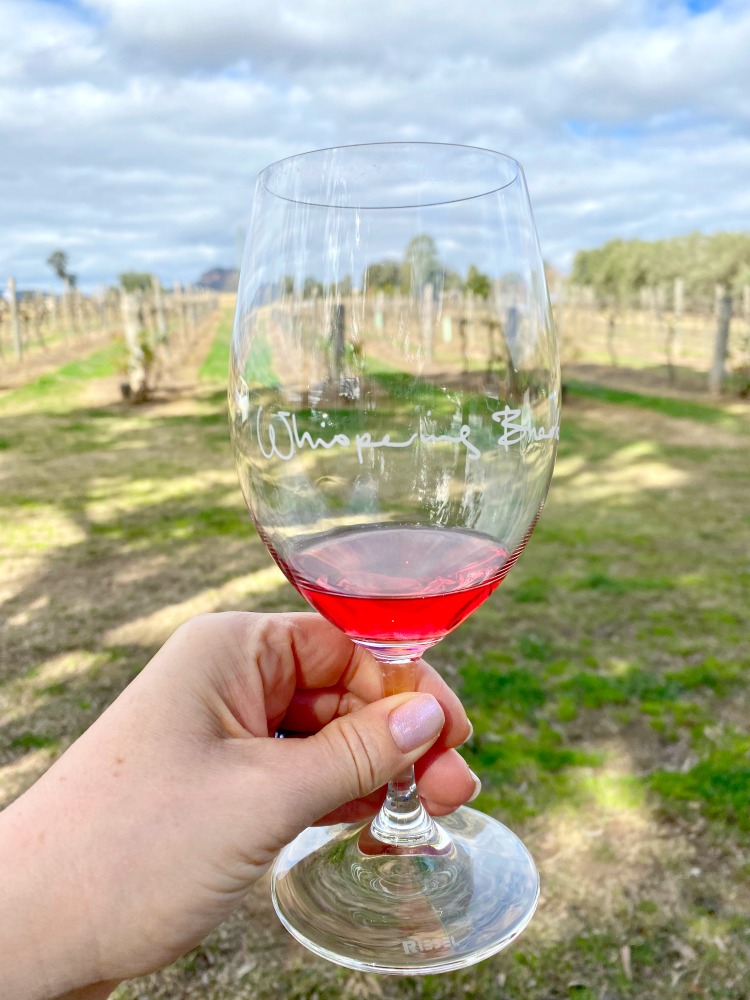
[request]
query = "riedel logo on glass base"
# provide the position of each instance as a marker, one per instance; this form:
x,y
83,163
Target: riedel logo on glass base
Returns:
x,y
440,943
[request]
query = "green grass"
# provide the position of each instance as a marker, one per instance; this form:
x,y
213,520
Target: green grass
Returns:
x,y
522,775
492,680
33,741
216,363
57,387
719,784
149,527
607,680
688,409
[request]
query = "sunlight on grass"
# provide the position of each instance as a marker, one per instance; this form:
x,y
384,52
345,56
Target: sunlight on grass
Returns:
x,y
621,480
154,629
618,667
60,668
612,792
37,528
113,496
47,678
635,452
21,618
597,850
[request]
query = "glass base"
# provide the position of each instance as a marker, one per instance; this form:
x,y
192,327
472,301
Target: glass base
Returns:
x,y
379,908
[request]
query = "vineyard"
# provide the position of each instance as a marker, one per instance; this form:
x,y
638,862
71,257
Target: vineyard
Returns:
x,y
39,332
657,343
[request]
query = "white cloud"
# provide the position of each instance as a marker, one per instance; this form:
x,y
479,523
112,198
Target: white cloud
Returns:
x,y
295,35
131,131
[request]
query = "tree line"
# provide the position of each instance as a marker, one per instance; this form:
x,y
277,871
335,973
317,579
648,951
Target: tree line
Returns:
x,y
619,270
421,266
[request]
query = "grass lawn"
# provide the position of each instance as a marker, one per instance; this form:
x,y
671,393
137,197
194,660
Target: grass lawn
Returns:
x,y
607,679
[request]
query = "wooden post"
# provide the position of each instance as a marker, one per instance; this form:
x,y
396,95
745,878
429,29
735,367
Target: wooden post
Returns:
x,y
136,386
161,319
470,314
192,309
447,328
79,323
672,338
68,317
611,328
378,318
428,340
15,326
660,304
464,339
745,346
338,326
101,307
37,318
179,303
679,301
314,312
721,343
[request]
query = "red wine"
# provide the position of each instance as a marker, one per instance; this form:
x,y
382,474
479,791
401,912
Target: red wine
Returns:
x,y
398,584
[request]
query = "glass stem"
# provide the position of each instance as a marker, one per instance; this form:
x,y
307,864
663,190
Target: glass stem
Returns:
x,y
403,821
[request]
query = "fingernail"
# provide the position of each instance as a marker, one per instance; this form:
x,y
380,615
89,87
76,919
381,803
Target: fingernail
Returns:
x,y
471,732
477,786
416,722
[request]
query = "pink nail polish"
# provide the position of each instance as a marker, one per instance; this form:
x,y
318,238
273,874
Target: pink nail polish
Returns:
x,y
417,721
477,785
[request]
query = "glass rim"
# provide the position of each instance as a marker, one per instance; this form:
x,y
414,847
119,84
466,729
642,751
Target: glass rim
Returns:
x,y
493,153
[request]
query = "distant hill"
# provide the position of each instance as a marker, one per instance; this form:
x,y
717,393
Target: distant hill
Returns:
x,y
219,279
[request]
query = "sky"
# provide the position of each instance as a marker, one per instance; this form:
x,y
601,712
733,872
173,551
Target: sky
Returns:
x,y
131,131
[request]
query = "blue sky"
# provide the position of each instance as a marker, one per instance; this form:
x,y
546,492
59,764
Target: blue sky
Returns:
x,y
701,6
132,130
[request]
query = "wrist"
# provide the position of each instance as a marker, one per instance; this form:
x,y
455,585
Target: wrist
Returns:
x,y
47,945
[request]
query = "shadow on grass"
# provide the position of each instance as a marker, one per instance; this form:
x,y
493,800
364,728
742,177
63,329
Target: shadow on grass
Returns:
x,y
127,519
684,382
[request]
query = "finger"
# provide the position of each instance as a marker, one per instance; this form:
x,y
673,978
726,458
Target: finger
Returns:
x,y
325,658
360,680
350,758
356,811
309,711
323,654
457,729
444,782
285,653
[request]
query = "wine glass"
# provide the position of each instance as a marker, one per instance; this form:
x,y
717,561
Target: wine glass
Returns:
x,y
394,406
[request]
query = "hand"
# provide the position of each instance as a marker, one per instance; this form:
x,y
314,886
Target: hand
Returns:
x,y
148,831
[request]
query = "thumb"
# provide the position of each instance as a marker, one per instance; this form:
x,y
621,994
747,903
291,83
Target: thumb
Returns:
x,y
352,756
